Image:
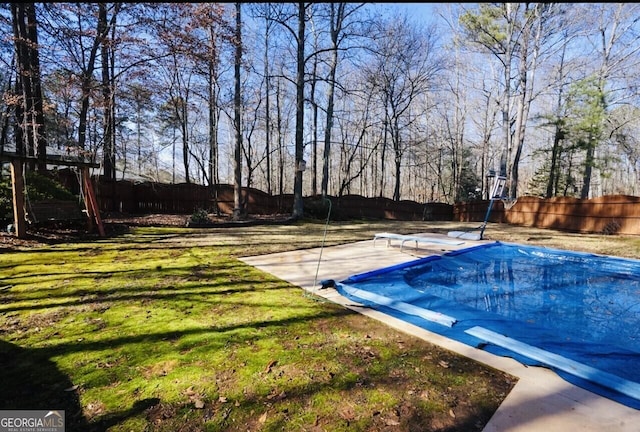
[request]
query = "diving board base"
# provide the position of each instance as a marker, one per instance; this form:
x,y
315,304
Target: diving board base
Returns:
x,y
605,379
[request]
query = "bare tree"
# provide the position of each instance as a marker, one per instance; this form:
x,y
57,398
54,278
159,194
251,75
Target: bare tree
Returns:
x,y
339,14
404,62
30,111
285,16
354,152
559,131
312,99
238,209
106,26
280,131
267,77
408,140
203,38
71,38
514,34
298,203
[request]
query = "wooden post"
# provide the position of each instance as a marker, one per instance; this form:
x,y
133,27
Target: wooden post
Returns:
x,y
84,173
17,182
90,199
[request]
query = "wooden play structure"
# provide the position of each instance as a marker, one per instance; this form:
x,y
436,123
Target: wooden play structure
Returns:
x,y
18,188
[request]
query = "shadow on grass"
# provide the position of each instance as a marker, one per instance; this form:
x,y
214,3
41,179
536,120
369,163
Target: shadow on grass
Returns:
x,y
32,381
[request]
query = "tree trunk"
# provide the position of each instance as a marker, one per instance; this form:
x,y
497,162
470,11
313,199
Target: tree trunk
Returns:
x,y
397,158
314,128
298,204
552,184
267,114
31,114
336,20
107,96
184,124
530,49
383,153
237,159
588,168
214,117
86,85
280,143
555,151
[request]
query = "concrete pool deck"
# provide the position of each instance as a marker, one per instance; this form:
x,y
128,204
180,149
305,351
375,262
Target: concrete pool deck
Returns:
x,y
540,401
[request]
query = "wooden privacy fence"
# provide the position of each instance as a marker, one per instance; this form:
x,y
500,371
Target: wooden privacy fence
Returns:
x,y
144,198
140,198
181,198
613,214
359,207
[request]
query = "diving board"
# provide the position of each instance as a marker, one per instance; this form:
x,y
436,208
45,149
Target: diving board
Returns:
x,y
467,235
417,239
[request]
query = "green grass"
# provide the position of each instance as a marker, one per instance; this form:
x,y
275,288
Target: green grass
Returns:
x,y
166,329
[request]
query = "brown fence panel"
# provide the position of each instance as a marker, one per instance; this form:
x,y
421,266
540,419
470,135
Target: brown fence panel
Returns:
x,y
182,198
147,197
611,214
476,211
357,206
115,196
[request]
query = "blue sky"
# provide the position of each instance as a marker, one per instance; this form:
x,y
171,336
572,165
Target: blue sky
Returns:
x,y
421,11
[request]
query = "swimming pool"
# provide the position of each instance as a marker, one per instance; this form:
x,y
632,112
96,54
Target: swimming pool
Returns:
x,y
576,313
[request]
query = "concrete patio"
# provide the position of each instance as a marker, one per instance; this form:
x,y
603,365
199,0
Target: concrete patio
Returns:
x,y
540,401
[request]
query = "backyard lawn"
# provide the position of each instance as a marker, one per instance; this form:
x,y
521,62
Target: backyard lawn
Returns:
x,y
165,329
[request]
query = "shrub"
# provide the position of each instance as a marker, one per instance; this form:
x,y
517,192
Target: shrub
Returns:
x,y
39,187
199,216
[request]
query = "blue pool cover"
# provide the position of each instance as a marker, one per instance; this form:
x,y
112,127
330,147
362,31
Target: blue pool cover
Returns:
x,y
576,313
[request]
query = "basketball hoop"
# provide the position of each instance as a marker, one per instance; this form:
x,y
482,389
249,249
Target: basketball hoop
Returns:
x,y
509,202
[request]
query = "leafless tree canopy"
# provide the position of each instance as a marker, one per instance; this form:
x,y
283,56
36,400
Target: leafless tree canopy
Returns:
x,y
332,98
